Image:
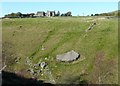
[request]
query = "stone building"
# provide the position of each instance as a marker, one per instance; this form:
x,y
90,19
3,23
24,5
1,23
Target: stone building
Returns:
x,y
43,14
40,14
50,13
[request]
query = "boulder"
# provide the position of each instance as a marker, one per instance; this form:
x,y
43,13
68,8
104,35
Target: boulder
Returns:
x,y
68,57
39,71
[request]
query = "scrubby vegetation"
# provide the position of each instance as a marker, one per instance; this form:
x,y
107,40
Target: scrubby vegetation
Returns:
x,y
114,13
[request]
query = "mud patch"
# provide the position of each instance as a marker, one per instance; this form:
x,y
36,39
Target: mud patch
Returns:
x,y
99,57
103,69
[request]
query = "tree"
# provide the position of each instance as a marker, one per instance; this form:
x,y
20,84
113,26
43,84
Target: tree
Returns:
x,y
6,16
96,14
19,14
62,15
58,13
91,14
68,14
118,13
13,15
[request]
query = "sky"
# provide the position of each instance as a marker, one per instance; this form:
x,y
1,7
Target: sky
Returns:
x,y
77,8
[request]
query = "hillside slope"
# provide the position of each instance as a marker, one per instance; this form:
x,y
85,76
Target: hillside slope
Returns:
x,y
98,63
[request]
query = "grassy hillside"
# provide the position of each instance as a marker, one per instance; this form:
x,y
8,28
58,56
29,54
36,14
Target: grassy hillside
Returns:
x,y
98,48
113,13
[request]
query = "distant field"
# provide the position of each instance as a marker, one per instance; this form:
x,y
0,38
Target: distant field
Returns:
x,y
98,48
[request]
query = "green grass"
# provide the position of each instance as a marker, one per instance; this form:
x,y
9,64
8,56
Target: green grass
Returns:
x,y
59,35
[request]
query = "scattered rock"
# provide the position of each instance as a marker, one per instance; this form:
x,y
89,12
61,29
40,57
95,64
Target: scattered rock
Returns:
x,y
35,72
43,48
45,58
90,27
35,65
39,63
31,70
43,65
17,59
39,71
20,26
28,70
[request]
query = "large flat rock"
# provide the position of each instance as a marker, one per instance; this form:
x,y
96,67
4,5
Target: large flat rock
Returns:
x,y
69,56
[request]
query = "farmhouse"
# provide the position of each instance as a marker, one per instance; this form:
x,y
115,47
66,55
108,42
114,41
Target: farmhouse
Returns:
x,y
50,13
40,14
68,57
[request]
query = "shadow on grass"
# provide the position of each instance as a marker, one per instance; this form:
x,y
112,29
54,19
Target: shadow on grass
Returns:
x,y
11,79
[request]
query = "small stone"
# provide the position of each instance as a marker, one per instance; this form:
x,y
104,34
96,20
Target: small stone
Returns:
x,y
17,59
31,70
20,26
43,64
39,71
43,48
28,70
39,63
94,23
